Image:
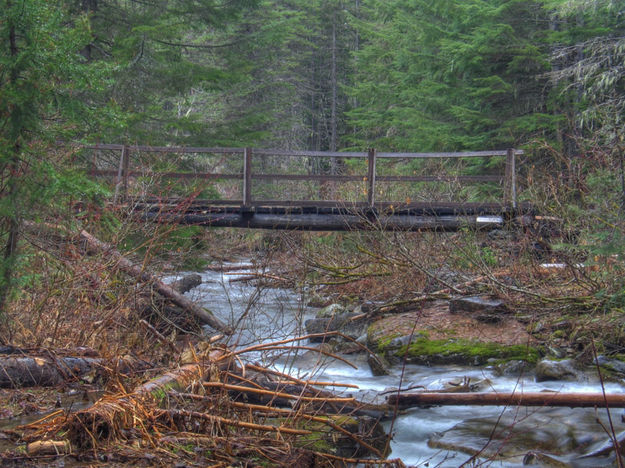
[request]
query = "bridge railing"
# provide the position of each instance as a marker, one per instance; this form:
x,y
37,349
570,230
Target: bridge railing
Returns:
x,y
121,170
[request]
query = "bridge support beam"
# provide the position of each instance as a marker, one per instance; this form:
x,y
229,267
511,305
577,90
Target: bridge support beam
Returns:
x,y
328,222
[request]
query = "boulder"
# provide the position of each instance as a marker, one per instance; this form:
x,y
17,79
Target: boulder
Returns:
x,y
348,323
613,365
477,304
558,370
513,368
378,365
331,311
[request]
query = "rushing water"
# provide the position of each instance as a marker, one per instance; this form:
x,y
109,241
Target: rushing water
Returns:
x,y
422,436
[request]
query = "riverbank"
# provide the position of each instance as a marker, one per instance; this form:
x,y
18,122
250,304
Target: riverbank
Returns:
x,y
547,298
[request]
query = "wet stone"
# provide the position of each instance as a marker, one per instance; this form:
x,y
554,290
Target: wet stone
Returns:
x,y
558,370
331,311
484,305
347,323
378,365
513,368
614,365
518,438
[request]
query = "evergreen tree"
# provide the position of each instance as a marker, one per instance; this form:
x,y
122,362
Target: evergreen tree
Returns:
x,y
443,75
588,57
43,96
168,60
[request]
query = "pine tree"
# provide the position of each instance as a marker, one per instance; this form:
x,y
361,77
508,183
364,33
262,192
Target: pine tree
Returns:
x,y
588,57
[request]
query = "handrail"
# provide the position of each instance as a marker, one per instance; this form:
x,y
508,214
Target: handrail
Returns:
x,y
247,175
302,153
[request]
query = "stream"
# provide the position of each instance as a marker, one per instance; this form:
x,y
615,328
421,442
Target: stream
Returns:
x,y
446,436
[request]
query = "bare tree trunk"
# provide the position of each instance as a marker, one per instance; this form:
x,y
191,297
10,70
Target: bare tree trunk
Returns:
x,y
333,83
333,105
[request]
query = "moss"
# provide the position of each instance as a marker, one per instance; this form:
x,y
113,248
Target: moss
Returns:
x,y
384,342
458,350
160,393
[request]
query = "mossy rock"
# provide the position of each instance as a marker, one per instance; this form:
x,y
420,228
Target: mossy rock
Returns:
x,y
465,352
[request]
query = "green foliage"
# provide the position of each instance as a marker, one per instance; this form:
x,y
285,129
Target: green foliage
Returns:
x,y
448,76
45,86
589,52
168,64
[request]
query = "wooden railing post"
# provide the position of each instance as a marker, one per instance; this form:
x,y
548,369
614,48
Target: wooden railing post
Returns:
x,y
122,175
125,170
93,166
371,178
247,177
510,194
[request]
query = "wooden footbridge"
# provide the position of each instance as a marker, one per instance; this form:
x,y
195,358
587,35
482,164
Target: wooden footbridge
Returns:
x,y
259,188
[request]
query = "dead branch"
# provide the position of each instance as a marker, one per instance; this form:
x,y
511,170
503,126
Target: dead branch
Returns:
x,y
232,422
111,415
277,394
290,378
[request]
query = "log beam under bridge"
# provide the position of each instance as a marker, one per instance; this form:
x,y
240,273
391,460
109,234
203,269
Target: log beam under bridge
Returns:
x,y
325,217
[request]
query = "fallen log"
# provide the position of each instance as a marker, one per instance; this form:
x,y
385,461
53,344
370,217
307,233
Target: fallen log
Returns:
x,y
165,290
295,394
571,400
48,447
224,268
148,305
48,371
